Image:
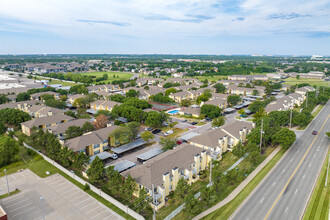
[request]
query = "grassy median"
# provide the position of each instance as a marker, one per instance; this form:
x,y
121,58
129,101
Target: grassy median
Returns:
x,y
318,207
226,211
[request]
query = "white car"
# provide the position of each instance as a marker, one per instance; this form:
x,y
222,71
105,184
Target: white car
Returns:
x,y
168,132
114,156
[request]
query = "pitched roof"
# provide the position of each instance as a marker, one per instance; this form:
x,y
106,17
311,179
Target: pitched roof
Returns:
x,y
62,127
152,171
192,110
110,104
46,120
94,137
44,110
209,138
234,128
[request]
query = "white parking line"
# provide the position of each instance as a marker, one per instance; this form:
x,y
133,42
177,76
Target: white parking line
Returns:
x,y
96,207
22,174
74,193
19,207
25,210
98,214
89,204
15,203
82,201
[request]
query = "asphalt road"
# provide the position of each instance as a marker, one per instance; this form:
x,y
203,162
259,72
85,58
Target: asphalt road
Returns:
x,y
285,192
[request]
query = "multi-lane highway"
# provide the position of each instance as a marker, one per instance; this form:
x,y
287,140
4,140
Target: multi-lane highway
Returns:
x,y
284,193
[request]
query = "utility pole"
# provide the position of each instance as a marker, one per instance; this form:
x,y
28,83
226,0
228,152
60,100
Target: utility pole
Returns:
x,y
42,207
7,181
153,202
261,131
210,169
326,179
290,117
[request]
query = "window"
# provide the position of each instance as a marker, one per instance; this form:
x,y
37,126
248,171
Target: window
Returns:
x,y
170,187
96,146
104,141
96,152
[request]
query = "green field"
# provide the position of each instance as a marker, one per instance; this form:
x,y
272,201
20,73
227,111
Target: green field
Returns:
x,y
119,75
210,78
60,82
312,82
226,211
318,207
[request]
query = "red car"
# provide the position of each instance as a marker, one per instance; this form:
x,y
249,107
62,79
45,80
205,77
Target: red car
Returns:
x,y
179,142
314,133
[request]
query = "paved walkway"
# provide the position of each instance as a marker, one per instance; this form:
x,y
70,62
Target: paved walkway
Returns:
x,y
240,187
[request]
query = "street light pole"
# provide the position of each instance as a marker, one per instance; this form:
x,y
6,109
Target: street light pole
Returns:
x,y
42,207
261,131
7,181
290,117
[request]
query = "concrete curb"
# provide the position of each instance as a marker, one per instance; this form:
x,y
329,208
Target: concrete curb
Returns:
x,y
314,184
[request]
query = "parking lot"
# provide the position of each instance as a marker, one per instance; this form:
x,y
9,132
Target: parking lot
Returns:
x,y
62,199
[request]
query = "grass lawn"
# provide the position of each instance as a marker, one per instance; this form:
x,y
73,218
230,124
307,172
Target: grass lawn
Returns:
x,y
318,207
60,82
226,211
39,166
319,108
312,82
119,75
210,78
11,193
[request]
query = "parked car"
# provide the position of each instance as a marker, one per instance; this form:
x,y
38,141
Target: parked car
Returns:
x,y
194,123
165,124
168,132
149,129
156,131
179,142
314,133
138,136
114,156
184,120
208,119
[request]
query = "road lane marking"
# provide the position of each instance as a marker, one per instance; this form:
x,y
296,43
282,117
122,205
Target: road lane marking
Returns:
x,y
291,159
296,191
302,159
274,183
310,164
304,177
286,209
283,170
261,200
314,155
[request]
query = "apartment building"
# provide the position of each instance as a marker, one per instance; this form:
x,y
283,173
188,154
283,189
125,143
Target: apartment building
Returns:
x,y
286,103
44,122
223,138
39,111
160,175
59,129
93,142
37,96
103,105
234,89
72,98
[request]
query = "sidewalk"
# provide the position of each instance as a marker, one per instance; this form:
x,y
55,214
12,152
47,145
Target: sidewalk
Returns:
x,y
240,187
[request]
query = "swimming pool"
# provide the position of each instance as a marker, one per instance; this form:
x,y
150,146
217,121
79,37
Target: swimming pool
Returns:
x,y
173,112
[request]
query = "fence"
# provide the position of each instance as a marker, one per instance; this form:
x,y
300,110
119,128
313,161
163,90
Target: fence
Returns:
x,y
123,207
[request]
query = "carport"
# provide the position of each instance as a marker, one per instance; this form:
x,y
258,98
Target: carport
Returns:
x,y
127,147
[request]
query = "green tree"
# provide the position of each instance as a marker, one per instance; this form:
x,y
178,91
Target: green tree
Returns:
x,y
241,111
73,131
147,136
3,99
170,91
46,97
103,112
8,151
71,114
13,116
217,122
23,97
210,111
255,106
134,127
255,157
87,127
121,135
185,103
78,89
55,103
259,114
284,137
167,143
117,98
220,88
191,206
297,76
132,93
239,150
206,194
182,188
234,99
96,170
79,160
206,95
255,92
155,119
2,128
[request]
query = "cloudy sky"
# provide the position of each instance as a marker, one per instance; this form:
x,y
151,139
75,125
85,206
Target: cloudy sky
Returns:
x,y
270,27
